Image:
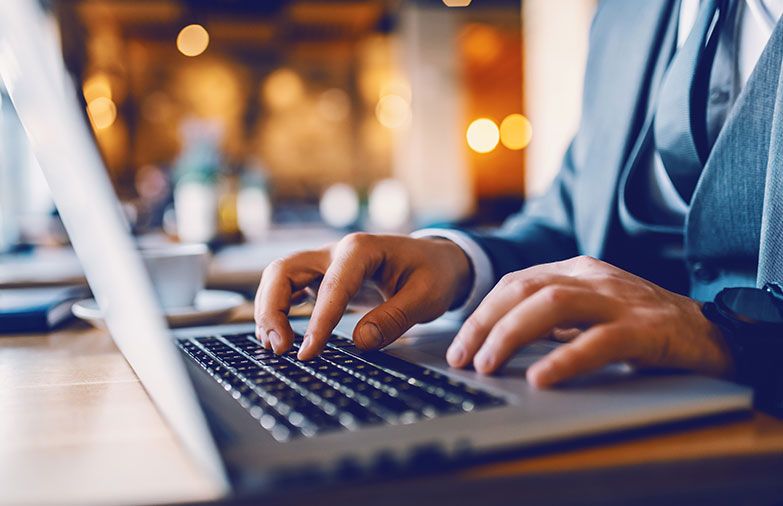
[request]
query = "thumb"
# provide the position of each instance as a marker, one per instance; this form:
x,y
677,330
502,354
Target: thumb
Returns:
x,y
411,305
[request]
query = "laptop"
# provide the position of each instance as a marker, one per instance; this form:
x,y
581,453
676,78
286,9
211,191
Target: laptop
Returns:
x,y
254,421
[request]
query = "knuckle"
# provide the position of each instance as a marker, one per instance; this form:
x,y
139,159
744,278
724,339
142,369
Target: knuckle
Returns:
x,y
554,294
587,262
276,267
397,319
332,285
474,326
356,240
508,279
517,286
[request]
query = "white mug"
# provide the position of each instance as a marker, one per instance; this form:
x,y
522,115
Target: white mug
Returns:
x,y
178,272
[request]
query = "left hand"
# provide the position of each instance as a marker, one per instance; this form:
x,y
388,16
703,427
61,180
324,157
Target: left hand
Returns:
x,y
609,315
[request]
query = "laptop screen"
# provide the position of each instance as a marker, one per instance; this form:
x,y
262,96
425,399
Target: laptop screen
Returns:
x,y
33,72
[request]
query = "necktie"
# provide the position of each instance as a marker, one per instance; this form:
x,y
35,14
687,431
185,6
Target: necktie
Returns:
x,y
680,126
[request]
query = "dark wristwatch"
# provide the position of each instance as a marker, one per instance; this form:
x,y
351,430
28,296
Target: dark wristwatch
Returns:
x,y
751,320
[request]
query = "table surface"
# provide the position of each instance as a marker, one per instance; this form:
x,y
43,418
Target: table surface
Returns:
x,y
76,427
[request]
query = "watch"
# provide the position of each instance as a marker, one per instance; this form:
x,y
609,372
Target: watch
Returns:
x,y
751,320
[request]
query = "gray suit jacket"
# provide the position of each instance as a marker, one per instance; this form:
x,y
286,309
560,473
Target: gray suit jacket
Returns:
x,y
733,232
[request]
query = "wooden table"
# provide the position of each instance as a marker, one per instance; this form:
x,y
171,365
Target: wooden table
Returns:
x,y
76,427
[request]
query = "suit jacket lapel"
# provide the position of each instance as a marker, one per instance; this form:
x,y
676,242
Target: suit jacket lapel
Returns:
x,y
729,195
618,112
771,247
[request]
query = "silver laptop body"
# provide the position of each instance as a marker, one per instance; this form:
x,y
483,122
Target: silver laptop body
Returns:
x,y
230,444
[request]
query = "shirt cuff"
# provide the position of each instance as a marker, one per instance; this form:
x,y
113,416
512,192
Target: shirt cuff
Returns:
x,y
483,273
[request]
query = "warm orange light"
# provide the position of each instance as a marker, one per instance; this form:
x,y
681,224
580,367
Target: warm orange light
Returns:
x,y
516,131
102,112
393,111
456,3
483,135
282,89
192,40
95,86
482,44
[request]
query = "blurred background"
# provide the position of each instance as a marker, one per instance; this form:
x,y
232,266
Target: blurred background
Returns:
x,y
222,121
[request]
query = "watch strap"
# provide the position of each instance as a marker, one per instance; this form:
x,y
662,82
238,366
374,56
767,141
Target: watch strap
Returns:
x,y
758,359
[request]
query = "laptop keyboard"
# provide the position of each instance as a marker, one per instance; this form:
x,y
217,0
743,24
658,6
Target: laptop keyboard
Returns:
x,y
343,389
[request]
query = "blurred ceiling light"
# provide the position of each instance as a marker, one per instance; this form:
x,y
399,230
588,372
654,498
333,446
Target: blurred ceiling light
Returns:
x,y
339,206
96,86
483,135
102,112
282,89
192,40
516,131
334,105
481,43
389,206
456,3
397,87
393,111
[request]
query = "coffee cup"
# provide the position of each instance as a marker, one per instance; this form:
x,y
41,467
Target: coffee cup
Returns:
x,y
178,273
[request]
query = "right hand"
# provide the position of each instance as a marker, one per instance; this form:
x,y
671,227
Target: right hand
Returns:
x,y
418,278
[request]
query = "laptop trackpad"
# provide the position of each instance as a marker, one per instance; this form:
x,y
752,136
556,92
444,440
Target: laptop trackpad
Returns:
x,y
430,348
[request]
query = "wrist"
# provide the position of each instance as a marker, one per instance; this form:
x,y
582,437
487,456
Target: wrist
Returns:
x,y
726,364
459,264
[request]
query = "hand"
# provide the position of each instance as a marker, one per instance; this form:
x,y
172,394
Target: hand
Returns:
x,y
607,314
419,279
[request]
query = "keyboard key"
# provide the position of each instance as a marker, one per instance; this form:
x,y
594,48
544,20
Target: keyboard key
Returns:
x,y
343,389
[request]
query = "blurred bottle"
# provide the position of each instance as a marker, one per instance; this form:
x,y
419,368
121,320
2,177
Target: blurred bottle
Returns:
x,y
197,171
228,226
253,206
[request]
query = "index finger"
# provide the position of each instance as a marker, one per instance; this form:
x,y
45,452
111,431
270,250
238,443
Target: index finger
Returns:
x,y
352,264
273,298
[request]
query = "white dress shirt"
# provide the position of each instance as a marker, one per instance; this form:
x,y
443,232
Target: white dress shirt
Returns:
x,y
756,19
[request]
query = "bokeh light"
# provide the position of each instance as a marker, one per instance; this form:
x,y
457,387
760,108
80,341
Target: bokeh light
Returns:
x,y
283,88
389,205
483,135
102,112
96,86
334,105
192,40
456,3
339,206
481,43
516,131
393,111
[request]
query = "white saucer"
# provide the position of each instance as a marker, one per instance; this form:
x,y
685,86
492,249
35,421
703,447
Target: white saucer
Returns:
x,y
210,306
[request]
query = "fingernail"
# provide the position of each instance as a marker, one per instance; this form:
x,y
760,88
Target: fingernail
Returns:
x,y
484,362
371,336
303,347
276,340
456,354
